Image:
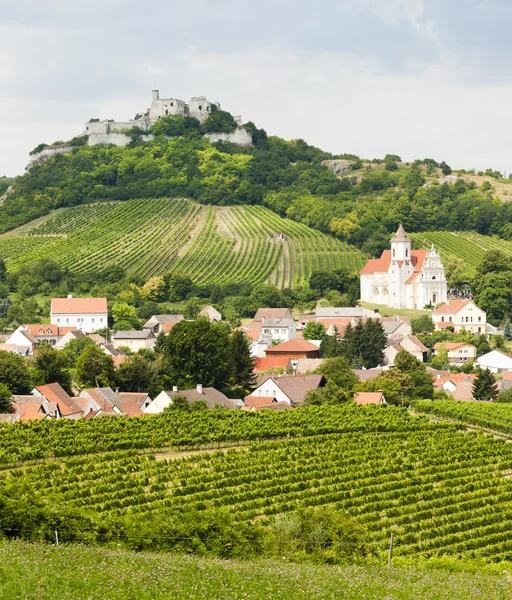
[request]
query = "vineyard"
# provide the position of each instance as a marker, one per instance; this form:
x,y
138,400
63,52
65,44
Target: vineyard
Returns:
x,y
440,490
468,245
489,415
210,245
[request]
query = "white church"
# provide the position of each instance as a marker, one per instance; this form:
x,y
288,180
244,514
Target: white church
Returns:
x,y
404,278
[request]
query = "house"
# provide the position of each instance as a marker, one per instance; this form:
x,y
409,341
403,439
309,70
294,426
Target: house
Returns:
x,y
396,330
460,314
458,386
270,362
496,361
303,366
344,312
211,396
415,347
21,342
253,332
366,374
295,349
212,314
506,382
28,408
75,334
458,352
162,323
47,333
85,314
59,403
104,401
256,403
135,340
364,398
276,324
403,277
288,388
272,313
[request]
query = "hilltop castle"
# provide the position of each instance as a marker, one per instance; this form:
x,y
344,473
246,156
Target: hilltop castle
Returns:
x,y
199,107
404,278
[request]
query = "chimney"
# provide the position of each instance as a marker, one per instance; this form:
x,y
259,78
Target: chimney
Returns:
x,y
174,388
263,319
199,388
70,295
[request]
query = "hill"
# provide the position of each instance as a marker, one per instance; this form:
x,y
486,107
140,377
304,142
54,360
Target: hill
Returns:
x,y
33,571
212,245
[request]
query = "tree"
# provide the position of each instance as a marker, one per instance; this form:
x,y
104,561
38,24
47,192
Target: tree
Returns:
x,y
484,386
505,396
494,261
322,282
75,347
423,324
507,330
445,168
243,362
330,394
154,290
192,308
332,345
5,398
197,352
220,121
337,371
3,270
50,366
313,331
455,270
121,311
423,386
396,385
14,373
94,368
140,374
178,287
365,343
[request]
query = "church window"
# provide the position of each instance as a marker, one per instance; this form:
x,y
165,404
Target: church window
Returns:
x,y
166,112
479,319
442,319
393,253
406,252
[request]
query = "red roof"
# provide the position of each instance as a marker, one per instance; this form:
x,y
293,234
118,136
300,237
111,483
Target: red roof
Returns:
x,y
507,376
296,345
253,330
270,362
78,306
47,329
363,398
53,392
258,400
381,265
452,306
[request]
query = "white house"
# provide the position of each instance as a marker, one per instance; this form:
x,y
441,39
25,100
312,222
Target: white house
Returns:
x,y
212,314
135,340
85,314
496,361
288,388
47,333
403,277
458,352
165,323
460,314
211,396
21,342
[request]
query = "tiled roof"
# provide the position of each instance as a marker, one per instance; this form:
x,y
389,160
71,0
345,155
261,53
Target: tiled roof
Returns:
x,y
78,306
451,345
295,387
210,395
45,329
381,265
97,338
400,235
252,330
307,365
365,374
363,398
270,313
258,400
419,344
55,393
452,306
507,376
270,362
134,335
296,345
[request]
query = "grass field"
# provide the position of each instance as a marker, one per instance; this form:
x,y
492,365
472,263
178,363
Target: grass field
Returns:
x,y
212,245
468,245
35,571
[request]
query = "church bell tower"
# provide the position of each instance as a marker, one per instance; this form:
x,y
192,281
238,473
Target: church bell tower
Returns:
x,y
400,245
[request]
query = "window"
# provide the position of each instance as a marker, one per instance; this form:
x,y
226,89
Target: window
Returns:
x,y
406,252
266,331
41,331
93,319
276,331
101,320
393,253
442,319
479,319
58,320
479,330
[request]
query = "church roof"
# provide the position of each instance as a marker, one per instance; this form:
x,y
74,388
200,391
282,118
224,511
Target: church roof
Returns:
x,y
400,235
381,265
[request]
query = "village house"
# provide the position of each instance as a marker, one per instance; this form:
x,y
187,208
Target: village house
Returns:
x,y
267,363
365,398
209,395
96,402
20,342
212,314
162,323
85,314
460,315
496,361
48,401
287,388
403,277
506,382
74,334
458,386
134,340
47,333
304,366
294,350
458,352
257,403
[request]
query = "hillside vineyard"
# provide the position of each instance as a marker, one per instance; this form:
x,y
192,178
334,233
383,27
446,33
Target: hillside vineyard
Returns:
x,y
155,236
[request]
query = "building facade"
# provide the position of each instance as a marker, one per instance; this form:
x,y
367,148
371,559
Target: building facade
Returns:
x,y
403,277
84,314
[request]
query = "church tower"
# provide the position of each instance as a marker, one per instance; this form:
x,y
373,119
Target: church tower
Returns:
x,y
400,245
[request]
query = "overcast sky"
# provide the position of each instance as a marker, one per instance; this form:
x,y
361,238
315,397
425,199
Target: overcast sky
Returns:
x,y
418,78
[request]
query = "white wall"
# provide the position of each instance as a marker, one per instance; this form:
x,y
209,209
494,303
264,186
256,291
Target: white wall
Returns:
x,y
270,388
84,322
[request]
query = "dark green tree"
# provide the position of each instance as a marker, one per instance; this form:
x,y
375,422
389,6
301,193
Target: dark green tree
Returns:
x,y
423,386
197,352
242,361
94,368
507,330
140,374
49,366
3,270
338,372
220,121
332,345
321,282
75,347
5,398
423,324
14,373
484,386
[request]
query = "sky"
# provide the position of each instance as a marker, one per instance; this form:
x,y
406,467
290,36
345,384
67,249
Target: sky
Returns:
x,y
417,78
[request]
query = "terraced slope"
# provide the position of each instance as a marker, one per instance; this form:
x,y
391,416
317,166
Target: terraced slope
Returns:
x,y
467,245
154,236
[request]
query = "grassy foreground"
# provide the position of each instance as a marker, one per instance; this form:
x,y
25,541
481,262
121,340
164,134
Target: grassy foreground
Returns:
x,y
70,572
